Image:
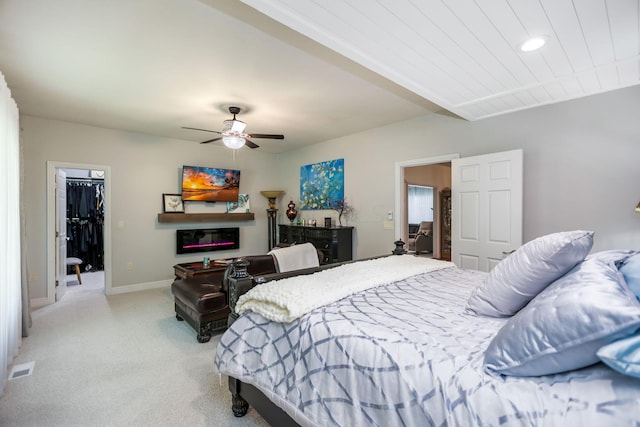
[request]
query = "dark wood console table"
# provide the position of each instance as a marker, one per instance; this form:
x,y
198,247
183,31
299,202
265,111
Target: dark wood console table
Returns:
x,y
336,243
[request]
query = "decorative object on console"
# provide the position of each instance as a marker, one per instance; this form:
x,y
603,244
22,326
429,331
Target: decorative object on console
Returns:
x,y
241,206
343,208
172,203
206,184
233,135
291,212
272,212
320,183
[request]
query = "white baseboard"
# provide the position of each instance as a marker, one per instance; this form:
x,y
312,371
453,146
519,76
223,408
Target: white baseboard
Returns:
x,y
39,302
139,287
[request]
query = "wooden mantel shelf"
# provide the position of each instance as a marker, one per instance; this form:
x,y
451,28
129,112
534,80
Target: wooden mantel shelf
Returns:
x,y
204,217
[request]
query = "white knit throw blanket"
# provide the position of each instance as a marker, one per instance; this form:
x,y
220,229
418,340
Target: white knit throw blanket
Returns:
x,y
287,299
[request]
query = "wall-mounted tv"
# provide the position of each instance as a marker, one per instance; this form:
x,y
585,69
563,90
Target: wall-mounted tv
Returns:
x,y
205,184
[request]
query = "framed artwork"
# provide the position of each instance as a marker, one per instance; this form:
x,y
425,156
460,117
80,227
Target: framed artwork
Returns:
x,y
321,184
241,206
172,203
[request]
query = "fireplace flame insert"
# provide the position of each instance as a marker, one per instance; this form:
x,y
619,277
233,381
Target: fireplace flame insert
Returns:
x,y
207,240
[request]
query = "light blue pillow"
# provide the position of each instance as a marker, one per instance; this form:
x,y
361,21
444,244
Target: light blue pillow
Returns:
x,y
518,278
623,355
564,326
630,269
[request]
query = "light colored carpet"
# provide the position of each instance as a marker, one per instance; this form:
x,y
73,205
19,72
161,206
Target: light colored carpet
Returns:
x,y
122,360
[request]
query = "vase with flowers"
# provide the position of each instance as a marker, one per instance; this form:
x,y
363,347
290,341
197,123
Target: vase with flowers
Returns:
x,y
343,208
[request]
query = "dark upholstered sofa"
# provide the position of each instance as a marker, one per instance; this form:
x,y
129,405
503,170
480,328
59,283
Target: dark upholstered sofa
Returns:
x,y
203,301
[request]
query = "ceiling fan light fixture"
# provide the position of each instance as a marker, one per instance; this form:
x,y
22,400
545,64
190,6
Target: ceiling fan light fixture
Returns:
x,y
235,126
534,43
233,141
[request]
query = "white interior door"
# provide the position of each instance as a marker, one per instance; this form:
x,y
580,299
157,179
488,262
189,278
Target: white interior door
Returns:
x,y
61,233
486,198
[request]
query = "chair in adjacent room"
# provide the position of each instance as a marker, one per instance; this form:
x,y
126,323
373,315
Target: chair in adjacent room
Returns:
x,y
423,240
76,262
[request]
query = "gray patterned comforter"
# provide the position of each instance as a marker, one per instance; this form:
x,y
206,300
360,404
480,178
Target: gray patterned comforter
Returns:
x,y
406,354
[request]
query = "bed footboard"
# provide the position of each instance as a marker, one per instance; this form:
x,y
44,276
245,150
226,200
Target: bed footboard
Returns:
x,y
238,282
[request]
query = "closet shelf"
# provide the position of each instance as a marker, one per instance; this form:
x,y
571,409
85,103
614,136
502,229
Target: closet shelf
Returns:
x,y
204,217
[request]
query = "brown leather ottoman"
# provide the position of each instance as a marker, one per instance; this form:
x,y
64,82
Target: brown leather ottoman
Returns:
x,y
202,305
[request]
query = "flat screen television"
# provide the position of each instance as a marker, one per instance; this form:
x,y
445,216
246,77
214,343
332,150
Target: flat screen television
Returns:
x,y
205,184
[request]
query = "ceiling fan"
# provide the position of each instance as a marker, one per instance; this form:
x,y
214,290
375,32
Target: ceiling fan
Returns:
x,y
233,135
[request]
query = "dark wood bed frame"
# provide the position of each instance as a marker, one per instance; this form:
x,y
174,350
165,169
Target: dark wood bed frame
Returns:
x,y
238,281
244,395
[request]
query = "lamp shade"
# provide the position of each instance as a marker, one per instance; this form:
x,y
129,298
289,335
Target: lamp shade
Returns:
x,y
272,194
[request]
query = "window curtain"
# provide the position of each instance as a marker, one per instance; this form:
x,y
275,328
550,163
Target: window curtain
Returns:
x,y
420,204
10,253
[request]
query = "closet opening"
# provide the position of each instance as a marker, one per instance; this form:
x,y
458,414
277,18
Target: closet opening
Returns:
x,y
85,202
80,208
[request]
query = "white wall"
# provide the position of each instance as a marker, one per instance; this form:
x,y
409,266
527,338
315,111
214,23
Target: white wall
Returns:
x,y
142,168
581,166
580,159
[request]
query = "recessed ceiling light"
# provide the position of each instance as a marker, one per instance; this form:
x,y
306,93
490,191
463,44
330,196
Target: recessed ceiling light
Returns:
x,y
532,44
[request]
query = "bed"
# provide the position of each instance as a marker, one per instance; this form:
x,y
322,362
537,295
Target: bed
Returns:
x,y
418,351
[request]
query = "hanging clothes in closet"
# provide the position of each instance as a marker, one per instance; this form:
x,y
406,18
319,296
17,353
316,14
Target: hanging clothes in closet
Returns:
x,y
85,222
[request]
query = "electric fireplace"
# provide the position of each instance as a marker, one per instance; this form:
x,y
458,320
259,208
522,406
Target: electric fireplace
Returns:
x,y
207,240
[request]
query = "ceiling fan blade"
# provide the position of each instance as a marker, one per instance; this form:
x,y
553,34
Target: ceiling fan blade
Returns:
x,y
250,144
204,130
266,135
210,140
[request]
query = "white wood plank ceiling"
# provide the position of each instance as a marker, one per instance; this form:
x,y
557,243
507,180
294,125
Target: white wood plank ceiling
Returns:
x,y
464,54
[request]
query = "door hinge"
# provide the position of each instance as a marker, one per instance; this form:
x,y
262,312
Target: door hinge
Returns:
x,y
57,283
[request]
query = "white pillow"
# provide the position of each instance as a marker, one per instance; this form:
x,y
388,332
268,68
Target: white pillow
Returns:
x,y
518,278
567,323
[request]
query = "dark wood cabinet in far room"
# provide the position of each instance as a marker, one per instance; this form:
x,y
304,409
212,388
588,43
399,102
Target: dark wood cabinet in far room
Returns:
x,y
336,243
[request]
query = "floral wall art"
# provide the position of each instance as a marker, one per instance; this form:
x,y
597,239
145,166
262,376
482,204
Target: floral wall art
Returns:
x,y
321,184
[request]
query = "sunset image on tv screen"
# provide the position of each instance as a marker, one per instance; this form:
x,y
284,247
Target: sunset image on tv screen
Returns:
x,y
210,184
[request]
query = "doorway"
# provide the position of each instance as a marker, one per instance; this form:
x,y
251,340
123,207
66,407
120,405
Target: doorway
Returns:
x,y
403,172
54,217
490,186
84,221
